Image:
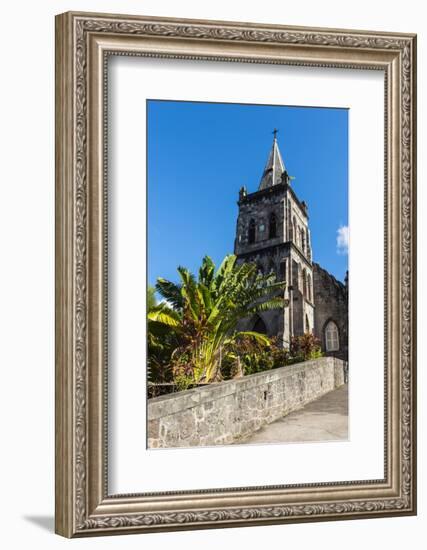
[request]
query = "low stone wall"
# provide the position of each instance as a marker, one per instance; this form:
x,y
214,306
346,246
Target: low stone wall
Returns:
x,y
226,412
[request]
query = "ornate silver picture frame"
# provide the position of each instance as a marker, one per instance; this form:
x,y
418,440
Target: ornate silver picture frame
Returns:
x,y
84,505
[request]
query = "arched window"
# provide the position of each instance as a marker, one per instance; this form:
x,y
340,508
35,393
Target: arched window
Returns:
x,y
259,326
307,324
309,295
331,337
302,239
271,267
272,227
251,235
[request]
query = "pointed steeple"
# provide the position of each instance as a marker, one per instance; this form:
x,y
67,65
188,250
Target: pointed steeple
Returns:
x,y
274,168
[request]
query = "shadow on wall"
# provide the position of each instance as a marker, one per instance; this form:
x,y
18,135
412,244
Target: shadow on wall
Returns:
x,y
47,523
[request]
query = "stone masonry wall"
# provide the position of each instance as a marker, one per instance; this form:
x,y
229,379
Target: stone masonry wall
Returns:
x,y
228,411
331,304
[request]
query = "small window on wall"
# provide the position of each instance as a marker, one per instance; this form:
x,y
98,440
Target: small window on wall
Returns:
x,y
251,235
282,271
331,337
272,228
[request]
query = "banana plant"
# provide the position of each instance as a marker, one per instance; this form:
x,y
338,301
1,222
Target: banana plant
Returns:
x,y
204,312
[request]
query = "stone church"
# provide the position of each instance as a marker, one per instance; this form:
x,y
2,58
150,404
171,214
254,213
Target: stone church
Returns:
x,y
272,231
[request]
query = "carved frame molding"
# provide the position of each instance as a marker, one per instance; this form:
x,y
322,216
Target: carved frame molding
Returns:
x,y
83,43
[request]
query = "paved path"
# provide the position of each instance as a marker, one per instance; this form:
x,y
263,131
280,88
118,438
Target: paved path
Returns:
x,y
325,419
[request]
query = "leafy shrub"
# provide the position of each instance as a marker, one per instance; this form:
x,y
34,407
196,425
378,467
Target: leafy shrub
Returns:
x,y
257,362
183,381
250,356
247,356
280,356
182,370
305,348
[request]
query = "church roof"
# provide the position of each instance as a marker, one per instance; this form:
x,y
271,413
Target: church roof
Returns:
x,y
274,168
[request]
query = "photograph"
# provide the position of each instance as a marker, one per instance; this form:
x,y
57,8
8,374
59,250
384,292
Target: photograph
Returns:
x,y
235,271
247,268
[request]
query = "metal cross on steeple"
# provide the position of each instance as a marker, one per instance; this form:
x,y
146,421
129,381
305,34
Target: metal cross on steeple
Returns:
x,y
275,133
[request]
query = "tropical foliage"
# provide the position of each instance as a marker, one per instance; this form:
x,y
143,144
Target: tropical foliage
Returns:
x,y
193,336
250,357
160,341
305,347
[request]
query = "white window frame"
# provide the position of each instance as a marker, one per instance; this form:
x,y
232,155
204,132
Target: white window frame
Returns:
x,y
332,338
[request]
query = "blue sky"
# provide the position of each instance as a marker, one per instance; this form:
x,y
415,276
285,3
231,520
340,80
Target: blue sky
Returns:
x,y
200,154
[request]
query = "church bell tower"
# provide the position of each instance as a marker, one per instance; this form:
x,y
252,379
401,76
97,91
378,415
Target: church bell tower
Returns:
x,y
272,231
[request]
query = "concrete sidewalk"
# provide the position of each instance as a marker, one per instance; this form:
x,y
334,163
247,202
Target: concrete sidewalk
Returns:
x,y
325,419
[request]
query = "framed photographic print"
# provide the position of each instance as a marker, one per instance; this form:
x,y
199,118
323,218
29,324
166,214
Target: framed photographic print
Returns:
x,y
235,274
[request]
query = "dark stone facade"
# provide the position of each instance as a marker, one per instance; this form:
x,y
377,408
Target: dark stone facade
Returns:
x,y
272,231
331,305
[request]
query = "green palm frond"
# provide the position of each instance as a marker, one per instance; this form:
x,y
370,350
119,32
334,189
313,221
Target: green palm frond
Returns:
x,y
204,312
206,297
223,272
273,303
164,314
170,291
206,271
187,278
261,338
157,328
